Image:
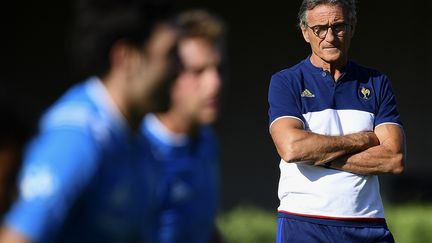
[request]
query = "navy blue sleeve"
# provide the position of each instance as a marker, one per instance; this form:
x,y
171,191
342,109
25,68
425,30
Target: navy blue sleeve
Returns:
x,y
58,164
387,110
283,100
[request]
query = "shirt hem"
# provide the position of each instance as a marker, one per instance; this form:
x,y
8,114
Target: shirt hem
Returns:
x,y
335,221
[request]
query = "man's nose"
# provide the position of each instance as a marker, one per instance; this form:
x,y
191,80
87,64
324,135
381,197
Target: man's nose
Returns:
x,y
330,35
215,79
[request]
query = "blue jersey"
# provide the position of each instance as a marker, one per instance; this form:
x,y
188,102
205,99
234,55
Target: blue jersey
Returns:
x,y
86,177
189,185
360,100
305,90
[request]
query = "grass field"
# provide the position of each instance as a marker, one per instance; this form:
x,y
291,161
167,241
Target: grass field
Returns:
x,y
411,223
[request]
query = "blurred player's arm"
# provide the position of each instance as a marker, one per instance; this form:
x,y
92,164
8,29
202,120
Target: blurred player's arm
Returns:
x,y
58,165
8,235
387,157
294,144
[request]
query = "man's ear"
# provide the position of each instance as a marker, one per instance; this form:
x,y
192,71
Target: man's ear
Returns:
x,y
305,34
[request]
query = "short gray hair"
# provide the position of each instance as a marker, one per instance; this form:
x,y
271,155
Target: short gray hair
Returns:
x,y
348,5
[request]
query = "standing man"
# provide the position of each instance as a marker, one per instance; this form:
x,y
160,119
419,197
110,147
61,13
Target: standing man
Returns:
x,y
85,176
182,140
336,127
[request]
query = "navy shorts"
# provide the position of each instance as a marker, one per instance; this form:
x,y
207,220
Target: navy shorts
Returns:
x,y
299,229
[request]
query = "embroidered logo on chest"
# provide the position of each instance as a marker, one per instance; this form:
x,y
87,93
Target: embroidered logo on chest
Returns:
x,y
307,93
365,93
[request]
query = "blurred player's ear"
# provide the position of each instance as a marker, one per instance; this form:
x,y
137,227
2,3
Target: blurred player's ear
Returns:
x,y
123,55
119,53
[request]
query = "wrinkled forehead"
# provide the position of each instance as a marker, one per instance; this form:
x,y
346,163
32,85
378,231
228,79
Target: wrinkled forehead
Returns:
x,y
325,14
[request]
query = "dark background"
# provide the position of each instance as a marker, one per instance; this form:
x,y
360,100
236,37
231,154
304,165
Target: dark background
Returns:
x,y
262,38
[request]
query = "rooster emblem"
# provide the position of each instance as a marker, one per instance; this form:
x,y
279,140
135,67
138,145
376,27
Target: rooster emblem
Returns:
x,y
366,93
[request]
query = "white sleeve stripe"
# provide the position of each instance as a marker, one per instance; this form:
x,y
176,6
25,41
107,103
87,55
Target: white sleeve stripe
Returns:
x,y
282,117
388,123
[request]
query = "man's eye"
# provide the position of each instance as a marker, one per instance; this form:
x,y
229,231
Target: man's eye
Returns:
x,y
338,26
195,71
320,28
198,71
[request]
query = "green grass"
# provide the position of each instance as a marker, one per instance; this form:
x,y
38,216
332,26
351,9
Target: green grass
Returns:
x,y
248,224
411,223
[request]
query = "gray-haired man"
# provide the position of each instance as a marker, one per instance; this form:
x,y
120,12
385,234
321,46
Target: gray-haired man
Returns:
x,y
335,125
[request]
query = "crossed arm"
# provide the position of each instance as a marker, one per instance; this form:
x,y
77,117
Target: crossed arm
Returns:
x,y
378,152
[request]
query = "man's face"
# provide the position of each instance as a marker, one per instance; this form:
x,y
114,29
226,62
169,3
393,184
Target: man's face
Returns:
x,y
152,72
333,47
195,92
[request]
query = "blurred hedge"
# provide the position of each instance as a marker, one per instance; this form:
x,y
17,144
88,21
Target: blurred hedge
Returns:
x,y
410,223
248,224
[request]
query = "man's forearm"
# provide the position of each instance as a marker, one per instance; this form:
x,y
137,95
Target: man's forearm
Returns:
x,y
373,161
388,157
319,149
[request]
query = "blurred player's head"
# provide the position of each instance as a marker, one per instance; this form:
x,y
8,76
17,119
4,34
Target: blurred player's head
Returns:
x,y
328,26
130,46
195,92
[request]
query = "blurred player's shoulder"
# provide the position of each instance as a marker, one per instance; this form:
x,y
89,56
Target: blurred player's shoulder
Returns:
x,y
85,107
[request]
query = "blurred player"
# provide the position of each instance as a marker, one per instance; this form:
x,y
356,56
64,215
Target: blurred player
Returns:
x,y
182,139
85,175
